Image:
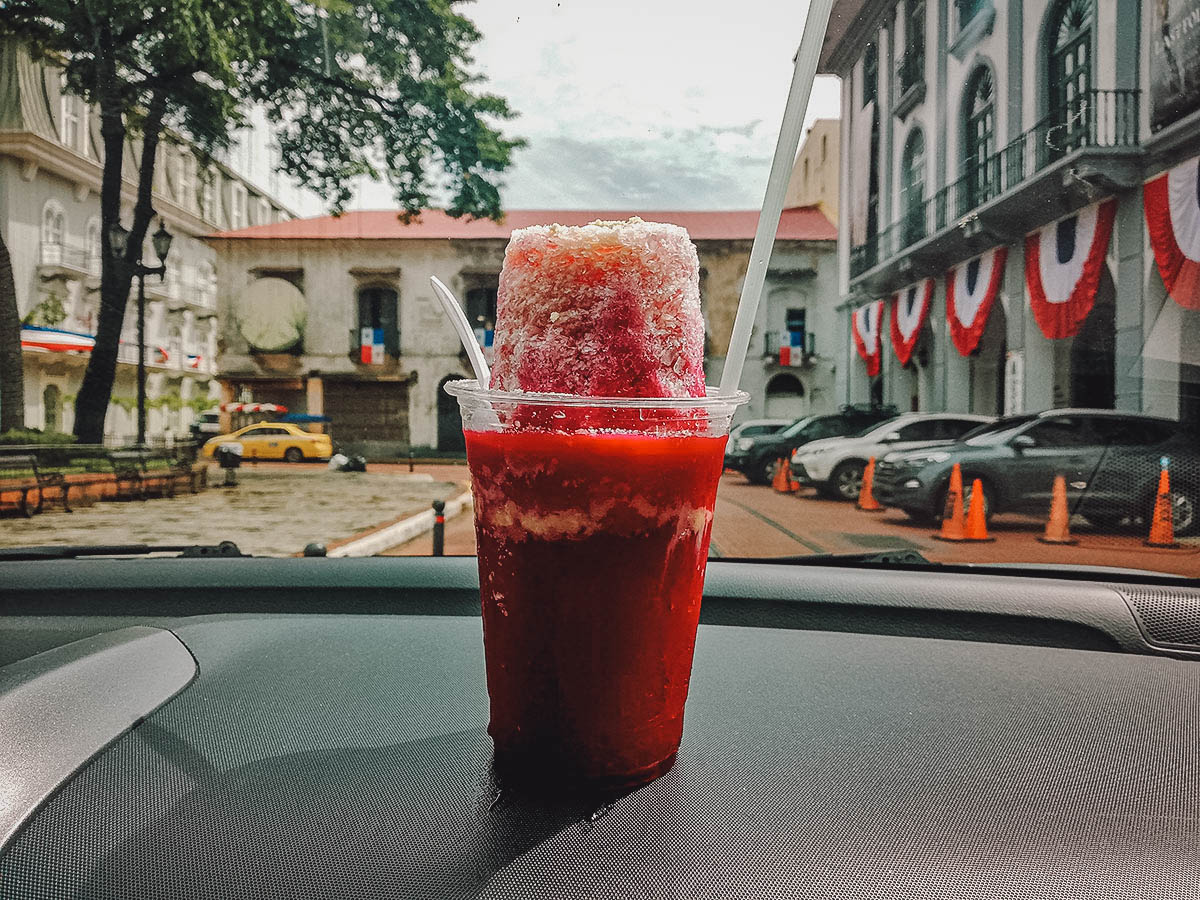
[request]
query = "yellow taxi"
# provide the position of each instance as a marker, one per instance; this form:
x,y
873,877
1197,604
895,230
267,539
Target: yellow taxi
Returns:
x,y
274,440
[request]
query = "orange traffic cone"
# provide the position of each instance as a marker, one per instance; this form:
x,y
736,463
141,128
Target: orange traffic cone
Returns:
x,y
778,483
954,526
1162,524
866,499
976,517
1058,527
793,485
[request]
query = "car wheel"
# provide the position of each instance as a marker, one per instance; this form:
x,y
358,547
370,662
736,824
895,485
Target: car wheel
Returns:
x,y
293,454
846,479
762,472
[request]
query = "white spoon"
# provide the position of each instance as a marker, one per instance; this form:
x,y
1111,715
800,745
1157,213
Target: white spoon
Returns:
x,y
453,309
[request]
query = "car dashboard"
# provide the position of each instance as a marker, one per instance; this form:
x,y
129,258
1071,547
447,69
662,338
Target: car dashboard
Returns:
x,y
318,728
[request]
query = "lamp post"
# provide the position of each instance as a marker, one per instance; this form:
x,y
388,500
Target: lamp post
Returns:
x,y
118,240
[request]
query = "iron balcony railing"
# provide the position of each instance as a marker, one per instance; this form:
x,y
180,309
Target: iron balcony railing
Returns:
x,y
1097,118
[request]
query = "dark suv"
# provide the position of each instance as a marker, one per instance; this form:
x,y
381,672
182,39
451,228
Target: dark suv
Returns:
x,y
757,460
1111,462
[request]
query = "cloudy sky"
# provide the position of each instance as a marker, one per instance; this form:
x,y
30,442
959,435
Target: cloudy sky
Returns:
x,y
651,104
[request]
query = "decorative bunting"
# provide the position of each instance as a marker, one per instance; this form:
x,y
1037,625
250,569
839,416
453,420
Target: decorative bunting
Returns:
x,y
1172,202
910,308
866,326
1063,262
55,340
971,288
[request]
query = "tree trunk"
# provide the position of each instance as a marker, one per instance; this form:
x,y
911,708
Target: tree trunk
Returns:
x,y
12,368
91,406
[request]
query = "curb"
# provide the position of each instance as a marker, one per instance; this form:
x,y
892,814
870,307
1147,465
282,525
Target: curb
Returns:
x,y
400,532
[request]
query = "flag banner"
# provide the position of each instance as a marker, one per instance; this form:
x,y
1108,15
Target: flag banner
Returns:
x,y
791,351
866,327
194,360
371,342
1063,263
55,340
1172,202
971,289
910,309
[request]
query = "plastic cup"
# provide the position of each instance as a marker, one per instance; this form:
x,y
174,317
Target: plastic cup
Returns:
x,y
592,520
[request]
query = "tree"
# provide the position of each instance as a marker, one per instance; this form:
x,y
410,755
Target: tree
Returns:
x,y
380,88
12,371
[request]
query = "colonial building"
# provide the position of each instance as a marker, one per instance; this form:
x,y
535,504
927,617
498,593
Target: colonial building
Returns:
x,y
51,157
336,317
814,180
1010,237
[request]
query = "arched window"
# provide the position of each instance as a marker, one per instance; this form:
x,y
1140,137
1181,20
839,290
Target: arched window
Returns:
x,y
93,246
979,140
1069,74
53,227
913,175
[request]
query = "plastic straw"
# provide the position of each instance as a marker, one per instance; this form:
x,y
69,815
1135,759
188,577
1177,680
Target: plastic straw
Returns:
x,y
453,310
781,168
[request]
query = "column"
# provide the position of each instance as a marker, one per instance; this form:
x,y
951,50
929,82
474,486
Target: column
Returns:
x,y
1128,242
316,402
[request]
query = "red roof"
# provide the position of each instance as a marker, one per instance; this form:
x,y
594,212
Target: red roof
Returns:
x,y
799,223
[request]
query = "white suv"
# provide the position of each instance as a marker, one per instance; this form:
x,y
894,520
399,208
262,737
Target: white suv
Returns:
x,y
835,465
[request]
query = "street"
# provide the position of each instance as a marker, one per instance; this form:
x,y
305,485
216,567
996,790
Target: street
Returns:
x,y
756,522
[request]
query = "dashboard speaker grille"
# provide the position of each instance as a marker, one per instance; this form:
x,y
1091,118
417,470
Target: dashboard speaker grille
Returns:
x,y
1167,616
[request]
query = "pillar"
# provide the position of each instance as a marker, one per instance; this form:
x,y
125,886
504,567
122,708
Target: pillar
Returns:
x,y
315,390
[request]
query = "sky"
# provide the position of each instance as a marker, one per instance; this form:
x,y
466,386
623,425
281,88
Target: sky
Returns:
x,y
639,104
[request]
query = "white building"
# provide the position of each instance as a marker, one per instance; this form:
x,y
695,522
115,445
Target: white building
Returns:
x,y
1019,133
50,176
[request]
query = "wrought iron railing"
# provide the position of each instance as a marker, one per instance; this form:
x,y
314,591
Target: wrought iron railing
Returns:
x,y
1097,118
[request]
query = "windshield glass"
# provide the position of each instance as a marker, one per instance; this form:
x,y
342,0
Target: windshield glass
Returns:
x,y
254,350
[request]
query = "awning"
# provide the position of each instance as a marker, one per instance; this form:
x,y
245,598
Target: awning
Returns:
x,y
253,408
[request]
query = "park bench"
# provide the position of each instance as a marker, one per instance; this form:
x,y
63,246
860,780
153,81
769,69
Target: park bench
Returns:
x,y
137,478
21,474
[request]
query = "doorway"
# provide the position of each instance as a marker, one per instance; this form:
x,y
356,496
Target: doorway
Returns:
x,y
1093,355
449,420
785,397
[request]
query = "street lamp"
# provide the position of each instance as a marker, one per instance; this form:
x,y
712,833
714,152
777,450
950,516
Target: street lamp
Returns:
x,y
118,241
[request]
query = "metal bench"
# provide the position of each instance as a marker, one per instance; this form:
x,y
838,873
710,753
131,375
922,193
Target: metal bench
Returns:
x,y
25,477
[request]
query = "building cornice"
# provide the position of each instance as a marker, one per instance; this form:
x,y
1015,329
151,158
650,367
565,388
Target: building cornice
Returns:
x,y
852,20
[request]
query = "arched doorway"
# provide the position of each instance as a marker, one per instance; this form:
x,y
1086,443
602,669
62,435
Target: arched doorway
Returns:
x,y
449,421
52,408
784,397
1093,358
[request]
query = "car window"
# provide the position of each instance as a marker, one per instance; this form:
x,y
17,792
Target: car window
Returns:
x,y
926,430
1120,432
1073,431
953,429
832,426
796,427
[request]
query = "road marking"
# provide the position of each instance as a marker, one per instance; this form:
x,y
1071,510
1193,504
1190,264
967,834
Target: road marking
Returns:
x,y
814,548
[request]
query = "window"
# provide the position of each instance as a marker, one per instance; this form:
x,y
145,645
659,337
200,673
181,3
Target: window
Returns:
x,y
913,191
968,9
53,227
377,312
93,246
185,182
69,129
207,198
796,321
912,62
207,284
979,139
237,205
263,211
870,73
1069,70
1067,431
1132,432
953,429
927,430
481,305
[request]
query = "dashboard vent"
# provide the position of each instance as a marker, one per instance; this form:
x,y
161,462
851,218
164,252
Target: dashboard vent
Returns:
x,y
1170,617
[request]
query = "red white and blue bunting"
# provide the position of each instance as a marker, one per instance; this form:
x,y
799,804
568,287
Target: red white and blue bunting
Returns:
x,y
971,289
910,309
1063,262
866,327
55,340
1172,202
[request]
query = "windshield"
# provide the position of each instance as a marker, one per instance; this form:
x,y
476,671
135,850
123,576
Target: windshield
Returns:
x,y
254,350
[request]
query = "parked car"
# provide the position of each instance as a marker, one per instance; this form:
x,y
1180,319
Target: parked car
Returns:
x,y
740,438
205,425
835,465
757,462
1111,462
274,440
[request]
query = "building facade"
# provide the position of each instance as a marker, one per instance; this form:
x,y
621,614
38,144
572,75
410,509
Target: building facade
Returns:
x,y
51,158
336,317
814,180
999,181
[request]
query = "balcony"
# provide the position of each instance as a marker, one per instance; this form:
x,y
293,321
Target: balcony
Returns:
x,y
776,340
1068,160
63,261
910,80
